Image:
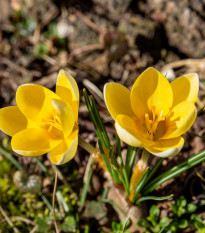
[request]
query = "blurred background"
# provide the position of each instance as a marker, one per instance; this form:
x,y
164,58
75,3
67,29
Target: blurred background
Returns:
x,y
97,41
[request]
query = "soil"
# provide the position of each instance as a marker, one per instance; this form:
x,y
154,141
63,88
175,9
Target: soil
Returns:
x,y
101,41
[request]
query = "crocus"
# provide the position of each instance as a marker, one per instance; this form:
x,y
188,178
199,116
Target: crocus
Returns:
x,y
155,113
44,121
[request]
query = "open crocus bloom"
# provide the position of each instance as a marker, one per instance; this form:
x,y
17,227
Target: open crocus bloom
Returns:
x,y
155,113
44,121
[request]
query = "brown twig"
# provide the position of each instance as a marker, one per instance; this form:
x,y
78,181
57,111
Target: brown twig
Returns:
x,y
53,202
87,21
186,62
84,49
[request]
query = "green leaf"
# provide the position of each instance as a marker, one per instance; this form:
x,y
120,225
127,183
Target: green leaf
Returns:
x,y
116,227
154,169
43,223
183,223
143,223
125,223
164,222
174,208
69,224
195,217
181,201
154,212
100,123
191,208
181,210
198,223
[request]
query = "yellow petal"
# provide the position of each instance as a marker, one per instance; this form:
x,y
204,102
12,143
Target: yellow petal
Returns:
x,y
185,88
167,147
151,89
66,115
180,119
34,101
67,89
31,142
12,120
117,99
65,151
127,130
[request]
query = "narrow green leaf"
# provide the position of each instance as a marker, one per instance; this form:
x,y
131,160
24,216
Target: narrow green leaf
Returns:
x,y
115,205
125,177
104,194
86,185
176,170
101,133
63,202
8,156
46,201
92,116
115,163
123,181
154,169
200,110
140,185
141,199
196,135
41,165
107,164
101,125
113,155
130,159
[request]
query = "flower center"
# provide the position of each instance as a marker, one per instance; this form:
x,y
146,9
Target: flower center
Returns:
x,y
53,125
152,123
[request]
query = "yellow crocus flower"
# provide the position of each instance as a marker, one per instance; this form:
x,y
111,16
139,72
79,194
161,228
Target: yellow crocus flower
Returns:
x,y
155,113
44,121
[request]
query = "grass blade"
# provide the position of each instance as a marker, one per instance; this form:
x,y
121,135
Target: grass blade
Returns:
x,y
175,171
8,156
154,169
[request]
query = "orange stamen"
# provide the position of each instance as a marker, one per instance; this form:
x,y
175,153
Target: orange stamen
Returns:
x,y
153,124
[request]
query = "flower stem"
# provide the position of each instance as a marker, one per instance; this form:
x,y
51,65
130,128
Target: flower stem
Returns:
x,y
139,170
85,145
93,151
145,156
